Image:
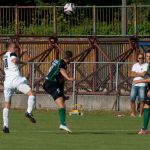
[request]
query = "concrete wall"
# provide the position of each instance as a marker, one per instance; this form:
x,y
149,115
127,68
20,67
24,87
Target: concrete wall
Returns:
x,y
89,102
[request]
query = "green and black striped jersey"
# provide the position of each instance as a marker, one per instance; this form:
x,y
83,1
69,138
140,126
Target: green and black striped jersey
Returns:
x,y
54,71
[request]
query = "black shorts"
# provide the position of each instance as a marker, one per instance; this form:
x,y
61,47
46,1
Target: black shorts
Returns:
x,y
54,89
147,101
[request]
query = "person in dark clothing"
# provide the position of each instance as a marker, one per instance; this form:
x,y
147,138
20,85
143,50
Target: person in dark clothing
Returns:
x,y
54,85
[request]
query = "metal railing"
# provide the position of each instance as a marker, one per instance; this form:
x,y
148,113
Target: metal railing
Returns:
x,y
102,78
86,21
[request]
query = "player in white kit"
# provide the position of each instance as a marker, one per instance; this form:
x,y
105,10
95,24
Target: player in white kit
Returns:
x,y
14,81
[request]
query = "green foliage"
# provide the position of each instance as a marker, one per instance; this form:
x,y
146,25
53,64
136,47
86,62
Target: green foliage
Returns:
x,y
84,28
43,29
62,2
40,22
108,29
9,29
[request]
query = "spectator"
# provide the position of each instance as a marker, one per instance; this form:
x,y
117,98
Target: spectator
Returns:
x,y
146,115
138,90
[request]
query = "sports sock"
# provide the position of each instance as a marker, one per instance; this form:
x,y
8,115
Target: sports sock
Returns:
x,y
62,115
31,103
146,117
5,116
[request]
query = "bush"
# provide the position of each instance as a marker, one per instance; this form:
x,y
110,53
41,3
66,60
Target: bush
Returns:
x,y
66,27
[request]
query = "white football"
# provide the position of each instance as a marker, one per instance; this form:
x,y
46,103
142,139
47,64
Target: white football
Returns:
x,y
69,8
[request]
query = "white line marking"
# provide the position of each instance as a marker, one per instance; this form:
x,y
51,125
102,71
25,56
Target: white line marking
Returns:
x,y
75,131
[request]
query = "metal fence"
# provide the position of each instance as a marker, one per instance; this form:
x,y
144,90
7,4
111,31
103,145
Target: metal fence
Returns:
x,y
101,78
86,21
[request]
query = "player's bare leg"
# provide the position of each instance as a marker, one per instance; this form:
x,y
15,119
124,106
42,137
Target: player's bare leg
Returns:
x,y
62,114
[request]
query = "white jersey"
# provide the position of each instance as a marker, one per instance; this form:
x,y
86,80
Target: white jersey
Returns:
x,y
11,69
139,68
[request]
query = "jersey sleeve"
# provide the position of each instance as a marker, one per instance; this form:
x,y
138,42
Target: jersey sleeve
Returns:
x,y
63,65
13,55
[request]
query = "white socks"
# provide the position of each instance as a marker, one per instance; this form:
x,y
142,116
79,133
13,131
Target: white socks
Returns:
x,y
31,103
5,117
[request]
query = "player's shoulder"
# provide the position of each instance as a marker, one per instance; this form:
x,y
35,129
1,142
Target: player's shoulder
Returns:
x,y
10,54
7,54
63,64
62,61
13,54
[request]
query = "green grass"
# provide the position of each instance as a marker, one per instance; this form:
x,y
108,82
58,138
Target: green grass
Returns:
x,y
92,131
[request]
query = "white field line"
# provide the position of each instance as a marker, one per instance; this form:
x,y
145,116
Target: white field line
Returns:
x,y
74,131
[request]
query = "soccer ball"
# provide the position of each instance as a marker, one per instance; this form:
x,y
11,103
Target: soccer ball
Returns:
x,y
69,8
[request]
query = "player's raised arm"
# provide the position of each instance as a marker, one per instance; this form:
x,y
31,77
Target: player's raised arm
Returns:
x,y
65,75
15,59
13,56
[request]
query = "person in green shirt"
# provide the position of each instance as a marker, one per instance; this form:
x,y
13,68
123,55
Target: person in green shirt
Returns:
x,y
54,85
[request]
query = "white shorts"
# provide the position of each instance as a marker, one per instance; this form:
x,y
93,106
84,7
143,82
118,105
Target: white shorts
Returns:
x,y
10,85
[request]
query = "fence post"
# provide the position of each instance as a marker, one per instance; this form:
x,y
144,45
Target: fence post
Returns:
x,y
124,17
117,96
94,20
32,81
135,19
117,77
74,84
16,20
54,19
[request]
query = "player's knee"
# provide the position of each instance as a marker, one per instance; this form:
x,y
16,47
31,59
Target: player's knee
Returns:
x,y
60,103
31,93
7,105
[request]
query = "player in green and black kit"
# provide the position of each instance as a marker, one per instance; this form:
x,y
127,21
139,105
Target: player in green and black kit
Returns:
x,y
146,112
54,85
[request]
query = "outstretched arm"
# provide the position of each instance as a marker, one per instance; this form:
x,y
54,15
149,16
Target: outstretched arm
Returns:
x,y
65,75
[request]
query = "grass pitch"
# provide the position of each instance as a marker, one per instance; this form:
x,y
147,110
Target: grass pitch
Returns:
x,y
92,131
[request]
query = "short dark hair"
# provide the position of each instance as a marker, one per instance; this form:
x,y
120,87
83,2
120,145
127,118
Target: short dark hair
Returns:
x,y
148,51
68,54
